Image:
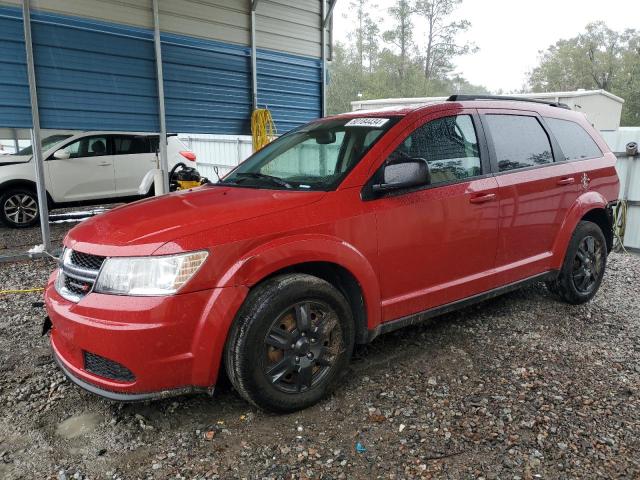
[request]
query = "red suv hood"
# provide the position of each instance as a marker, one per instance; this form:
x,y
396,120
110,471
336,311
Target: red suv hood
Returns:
x,y
142,227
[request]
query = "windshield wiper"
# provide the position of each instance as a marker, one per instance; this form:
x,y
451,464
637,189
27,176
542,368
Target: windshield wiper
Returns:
x,y
275,180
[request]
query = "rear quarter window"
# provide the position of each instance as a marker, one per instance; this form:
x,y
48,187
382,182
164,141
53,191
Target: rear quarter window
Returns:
x,y
575,142
130,145
519,141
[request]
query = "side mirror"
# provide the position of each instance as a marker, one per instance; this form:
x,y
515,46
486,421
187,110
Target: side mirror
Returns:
x,y
61,154
405,174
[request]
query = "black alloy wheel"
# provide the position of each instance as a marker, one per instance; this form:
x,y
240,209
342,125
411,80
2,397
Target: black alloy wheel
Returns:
x,y
301,346
587,265
584,264
290,343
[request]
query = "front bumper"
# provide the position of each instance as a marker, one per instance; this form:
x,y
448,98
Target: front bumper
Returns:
x,y
171,345
126,397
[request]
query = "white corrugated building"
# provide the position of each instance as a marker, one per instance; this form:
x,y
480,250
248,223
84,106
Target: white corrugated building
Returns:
x,y
602,108
629,172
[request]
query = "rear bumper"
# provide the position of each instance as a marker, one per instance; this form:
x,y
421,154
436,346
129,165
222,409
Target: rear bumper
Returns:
x,y
170,345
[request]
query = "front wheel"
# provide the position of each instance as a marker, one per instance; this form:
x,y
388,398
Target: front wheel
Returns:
x,y
289,343
584,264
19,208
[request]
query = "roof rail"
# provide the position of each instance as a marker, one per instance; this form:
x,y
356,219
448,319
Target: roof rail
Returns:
x,y
461,98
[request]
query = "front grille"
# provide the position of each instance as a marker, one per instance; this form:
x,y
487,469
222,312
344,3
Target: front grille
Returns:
x,y
106,368
78,273
84,260
77,287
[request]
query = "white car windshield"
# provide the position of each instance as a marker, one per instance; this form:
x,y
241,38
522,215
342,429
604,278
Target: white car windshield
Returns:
x,y
47,143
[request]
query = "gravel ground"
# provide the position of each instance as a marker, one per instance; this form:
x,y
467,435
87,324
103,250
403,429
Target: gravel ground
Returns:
x,y
15,241
518,387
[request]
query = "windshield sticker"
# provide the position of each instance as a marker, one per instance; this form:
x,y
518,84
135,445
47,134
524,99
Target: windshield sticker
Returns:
x,y
367,122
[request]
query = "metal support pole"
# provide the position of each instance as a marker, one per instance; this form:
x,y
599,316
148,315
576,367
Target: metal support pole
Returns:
x,y
164,163
323,50
16,143
327,16
254,66
35,131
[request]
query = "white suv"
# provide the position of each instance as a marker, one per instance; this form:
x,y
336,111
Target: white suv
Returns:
x,y
83,168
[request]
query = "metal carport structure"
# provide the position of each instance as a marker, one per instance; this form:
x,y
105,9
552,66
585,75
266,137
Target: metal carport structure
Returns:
x,y
179,65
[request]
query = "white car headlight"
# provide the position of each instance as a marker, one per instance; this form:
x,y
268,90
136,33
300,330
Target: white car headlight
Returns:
x,y
161,275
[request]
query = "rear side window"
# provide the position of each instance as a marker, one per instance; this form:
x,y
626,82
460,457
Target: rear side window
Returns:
x,y
519,141
575,142
130,145
449,145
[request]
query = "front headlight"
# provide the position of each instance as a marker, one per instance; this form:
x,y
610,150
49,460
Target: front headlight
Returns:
x,y
162,275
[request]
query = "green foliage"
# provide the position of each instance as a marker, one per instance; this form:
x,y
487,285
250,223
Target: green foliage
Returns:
x,y
599,58
441,36
375,65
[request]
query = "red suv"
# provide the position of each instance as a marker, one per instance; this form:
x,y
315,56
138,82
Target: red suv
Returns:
x,y
343,229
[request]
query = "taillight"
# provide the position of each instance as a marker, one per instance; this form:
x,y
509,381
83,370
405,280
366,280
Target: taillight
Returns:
x,y
188,155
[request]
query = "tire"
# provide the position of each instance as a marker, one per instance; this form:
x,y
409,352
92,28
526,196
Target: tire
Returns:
x,y
290,341
19,207
584,265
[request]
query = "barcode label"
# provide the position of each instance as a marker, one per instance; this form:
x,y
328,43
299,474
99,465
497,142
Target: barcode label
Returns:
x,y
367,122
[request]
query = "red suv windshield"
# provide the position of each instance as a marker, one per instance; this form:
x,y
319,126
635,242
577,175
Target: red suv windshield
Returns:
x,y
316,156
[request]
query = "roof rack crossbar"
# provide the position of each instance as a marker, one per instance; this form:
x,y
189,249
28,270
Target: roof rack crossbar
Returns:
x,y
461,98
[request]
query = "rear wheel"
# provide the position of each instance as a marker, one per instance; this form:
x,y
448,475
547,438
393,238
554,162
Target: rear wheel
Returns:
x,y
291,340
584,265
19,208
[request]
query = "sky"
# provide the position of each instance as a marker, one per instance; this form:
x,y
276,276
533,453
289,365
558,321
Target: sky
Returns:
x,y
510,34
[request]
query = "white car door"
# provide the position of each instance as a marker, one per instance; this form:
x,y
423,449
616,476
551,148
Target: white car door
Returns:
x,y
87,173
133,158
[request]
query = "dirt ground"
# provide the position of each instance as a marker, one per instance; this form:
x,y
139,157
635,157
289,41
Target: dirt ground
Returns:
x,y
521,386
18,241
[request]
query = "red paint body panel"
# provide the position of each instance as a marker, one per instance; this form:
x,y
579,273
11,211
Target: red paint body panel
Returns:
x,y
408,252
423,236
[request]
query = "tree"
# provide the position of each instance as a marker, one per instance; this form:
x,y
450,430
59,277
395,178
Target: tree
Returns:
x,y
365,35
344,80
401,35
375,66
599,58
371,45
441,45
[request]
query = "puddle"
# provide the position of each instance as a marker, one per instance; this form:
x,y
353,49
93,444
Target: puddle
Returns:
x,y
78,425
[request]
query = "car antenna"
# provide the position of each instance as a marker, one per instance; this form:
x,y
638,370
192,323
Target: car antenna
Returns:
x,y
215,170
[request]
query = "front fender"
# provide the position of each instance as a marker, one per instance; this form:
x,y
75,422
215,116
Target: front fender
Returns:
x,y
287,252
586,202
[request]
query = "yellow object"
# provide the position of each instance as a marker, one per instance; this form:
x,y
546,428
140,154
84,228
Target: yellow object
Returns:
x,y
263,130
186,185
28,290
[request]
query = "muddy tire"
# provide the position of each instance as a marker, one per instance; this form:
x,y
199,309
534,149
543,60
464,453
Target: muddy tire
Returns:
x,y
289,343
584,265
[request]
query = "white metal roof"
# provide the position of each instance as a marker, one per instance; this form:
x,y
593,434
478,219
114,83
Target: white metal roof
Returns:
x,y
572,94
417,101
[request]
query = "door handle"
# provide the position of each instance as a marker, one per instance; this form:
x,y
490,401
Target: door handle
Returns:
x,y
566,181
486,197
104,164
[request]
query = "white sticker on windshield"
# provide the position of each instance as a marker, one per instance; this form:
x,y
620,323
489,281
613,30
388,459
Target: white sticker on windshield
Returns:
x,y
367,122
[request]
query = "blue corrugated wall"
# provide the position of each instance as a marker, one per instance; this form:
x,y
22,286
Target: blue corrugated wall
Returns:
x,y
101,76
14,90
